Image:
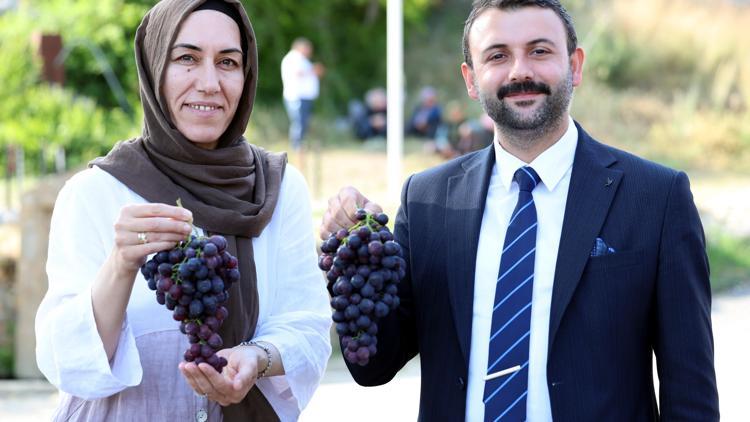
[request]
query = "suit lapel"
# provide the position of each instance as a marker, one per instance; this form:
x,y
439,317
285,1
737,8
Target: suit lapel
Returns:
x,y
464,208
592,187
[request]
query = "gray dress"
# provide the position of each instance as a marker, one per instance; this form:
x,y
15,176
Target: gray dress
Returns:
x,y
162,395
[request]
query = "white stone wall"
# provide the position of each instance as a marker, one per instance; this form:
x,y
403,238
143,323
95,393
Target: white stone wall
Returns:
x,y
31,278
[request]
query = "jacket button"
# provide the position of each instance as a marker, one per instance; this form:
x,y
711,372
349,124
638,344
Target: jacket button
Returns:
x,y
461,383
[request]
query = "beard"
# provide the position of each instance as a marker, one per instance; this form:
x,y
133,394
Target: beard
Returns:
x,y
525,128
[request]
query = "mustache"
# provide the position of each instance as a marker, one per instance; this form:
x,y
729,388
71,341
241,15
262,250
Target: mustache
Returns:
x,y
525,86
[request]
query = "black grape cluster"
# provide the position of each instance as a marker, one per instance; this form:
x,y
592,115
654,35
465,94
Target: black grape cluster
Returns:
x,y
192,280
364,266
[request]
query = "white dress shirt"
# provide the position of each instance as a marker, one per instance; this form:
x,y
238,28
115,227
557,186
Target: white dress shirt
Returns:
x,y
294,313
553,166
298,77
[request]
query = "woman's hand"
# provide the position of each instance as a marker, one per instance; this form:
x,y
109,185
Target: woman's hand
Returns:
x,y
236,379
342,209
144,229
140,230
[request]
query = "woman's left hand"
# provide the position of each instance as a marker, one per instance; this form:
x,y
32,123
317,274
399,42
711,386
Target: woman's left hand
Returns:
x,y
233,383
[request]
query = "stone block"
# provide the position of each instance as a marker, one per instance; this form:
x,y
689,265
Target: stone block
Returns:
x,y
31,281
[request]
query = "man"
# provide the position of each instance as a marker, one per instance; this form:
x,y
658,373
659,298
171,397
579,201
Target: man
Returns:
x,y
369,120
300,78
545,272
427,115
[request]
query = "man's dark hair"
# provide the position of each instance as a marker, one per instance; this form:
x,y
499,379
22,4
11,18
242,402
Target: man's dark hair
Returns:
x,y
480,6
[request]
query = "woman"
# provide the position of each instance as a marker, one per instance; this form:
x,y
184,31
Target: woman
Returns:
x,y
102,338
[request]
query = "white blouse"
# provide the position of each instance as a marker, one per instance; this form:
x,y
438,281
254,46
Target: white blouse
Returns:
x,y
294,313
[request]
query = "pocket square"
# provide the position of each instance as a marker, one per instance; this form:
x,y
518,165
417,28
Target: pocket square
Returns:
x,y
601,248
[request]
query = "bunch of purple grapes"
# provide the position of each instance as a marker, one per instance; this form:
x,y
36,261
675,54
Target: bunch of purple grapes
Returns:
x,y
364,266
192,280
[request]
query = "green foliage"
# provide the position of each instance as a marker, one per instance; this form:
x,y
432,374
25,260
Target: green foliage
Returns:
x,y
19,70
349,38
730,260
7,360
110,26
56,116
40,117
695,83
88,116
359,27
654,45
706,139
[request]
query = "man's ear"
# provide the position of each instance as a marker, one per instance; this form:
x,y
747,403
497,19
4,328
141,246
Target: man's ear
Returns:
x,y
468,74
576,65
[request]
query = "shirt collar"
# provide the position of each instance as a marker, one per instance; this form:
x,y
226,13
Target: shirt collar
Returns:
x,y
551,165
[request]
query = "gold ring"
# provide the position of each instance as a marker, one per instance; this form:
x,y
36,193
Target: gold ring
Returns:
x,y
142,238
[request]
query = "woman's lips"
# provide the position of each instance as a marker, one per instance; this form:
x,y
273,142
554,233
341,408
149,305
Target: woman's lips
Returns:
x,y
203,109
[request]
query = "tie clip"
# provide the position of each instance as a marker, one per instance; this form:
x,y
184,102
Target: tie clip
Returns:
x,y
502,373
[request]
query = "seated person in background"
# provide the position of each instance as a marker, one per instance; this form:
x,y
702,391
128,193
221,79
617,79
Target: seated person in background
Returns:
x,y
475,134
369,119
447,136
427,115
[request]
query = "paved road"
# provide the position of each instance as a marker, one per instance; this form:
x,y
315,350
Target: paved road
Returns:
x,y
338,398
731,323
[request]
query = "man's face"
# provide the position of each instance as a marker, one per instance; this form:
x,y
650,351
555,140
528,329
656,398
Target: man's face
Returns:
x,y
307,50
522,73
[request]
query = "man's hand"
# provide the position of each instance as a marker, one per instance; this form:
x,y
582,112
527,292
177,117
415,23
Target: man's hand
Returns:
x,y
319,69
342,208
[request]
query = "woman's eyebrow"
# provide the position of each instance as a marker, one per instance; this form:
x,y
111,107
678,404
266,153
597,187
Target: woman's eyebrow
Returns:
x,y
188,46
196,48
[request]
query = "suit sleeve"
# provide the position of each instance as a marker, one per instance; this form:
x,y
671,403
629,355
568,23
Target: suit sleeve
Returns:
x,y
684,340
397,334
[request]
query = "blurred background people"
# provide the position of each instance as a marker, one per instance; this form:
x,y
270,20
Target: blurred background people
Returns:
x,y
458,135
427,115
369,119
301,79
447,134
475,134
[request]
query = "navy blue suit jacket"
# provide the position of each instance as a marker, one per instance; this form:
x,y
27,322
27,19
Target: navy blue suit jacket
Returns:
x,y
608,313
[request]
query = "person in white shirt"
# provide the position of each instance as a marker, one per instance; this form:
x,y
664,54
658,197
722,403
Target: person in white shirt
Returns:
x,y
546,271
301,80
102,338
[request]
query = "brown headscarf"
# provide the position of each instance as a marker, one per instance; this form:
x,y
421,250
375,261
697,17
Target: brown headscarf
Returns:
x,y
231,190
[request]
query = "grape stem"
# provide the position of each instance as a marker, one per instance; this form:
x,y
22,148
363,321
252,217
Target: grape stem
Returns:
x,y
369,221
192,227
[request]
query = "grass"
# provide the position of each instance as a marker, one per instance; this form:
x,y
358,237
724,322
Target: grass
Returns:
x,y
730,260
7,352
644,88
7,314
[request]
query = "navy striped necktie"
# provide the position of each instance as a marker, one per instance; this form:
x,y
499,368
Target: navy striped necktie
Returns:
x,y
505,395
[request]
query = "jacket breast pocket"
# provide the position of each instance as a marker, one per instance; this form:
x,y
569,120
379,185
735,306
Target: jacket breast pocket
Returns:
x,y
619,261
